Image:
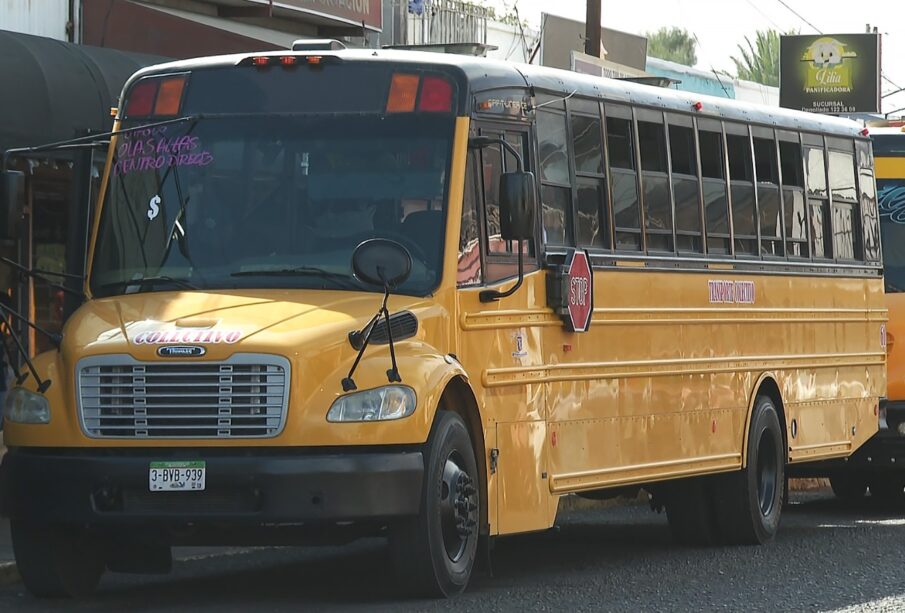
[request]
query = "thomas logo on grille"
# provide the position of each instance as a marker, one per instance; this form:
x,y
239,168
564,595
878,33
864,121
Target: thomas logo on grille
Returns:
x,y
181,351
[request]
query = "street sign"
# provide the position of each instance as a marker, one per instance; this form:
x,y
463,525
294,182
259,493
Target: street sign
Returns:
x,y
580,291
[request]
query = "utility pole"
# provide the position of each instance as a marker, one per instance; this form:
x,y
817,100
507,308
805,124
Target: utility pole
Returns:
x,y
592,28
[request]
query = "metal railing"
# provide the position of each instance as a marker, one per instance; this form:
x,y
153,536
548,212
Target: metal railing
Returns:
x,y
442,22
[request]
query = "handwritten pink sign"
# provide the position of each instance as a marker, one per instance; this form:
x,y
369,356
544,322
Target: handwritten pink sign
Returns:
x,y
151,149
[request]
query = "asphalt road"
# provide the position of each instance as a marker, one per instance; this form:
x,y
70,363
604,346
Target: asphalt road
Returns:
x,y
828,556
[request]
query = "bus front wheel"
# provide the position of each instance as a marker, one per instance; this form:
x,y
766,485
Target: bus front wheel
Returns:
x,y
749,502
56,561
434,552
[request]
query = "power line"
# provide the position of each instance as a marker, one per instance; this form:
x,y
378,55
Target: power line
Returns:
x,y
797,14
765,16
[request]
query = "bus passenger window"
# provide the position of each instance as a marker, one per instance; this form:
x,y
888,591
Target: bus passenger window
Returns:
x,y
655,183
592,229
621,152
793,198
686,190
556,195
868,198
818,201
468,269
767,171
846,234
744,223
716,202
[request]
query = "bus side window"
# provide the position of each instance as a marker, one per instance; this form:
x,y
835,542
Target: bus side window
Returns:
x,y
741,187
556,184
713,179
621,158
818,196
796,218
468,269
685,187
593,228
845,224
868,197
655,181
769,207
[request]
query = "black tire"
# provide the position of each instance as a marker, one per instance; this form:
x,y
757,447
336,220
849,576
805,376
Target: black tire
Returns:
x,y
749,502
849,486
434,553
56,561
888,488
689,510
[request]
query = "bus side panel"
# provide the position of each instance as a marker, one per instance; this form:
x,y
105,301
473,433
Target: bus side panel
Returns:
x,y
662,383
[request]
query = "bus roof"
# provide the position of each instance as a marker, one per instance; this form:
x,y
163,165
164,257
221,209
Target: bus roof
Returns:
x,y
481,74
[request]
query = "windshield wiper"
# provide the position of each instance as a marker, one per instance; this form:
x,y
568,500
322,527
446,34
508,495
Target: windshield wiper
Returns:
x,y
298,271
142,281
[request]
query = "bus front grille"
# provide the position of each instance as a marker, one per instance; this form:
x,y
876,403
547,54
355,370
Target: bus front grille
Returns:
x,y
243,397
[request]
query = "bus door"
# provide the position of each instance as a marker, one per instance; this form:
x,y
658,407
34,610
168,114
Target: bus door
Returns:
x,y
500,341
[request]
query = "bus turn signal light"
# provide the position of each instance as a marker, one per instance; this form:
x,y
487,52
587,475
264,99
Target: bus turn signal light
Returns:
x,y
141,98
403,91
436,95
169,98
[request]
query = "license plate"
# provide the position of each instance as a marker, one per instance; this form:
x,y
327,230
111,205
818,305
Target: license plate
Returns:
x,y
176,476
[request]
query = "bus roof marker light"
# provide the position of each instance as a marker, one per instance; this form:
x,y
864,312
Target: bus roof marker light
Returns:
x,y
436,95
314,60
864,132
260,60
141,98
403,92
288,60
698,106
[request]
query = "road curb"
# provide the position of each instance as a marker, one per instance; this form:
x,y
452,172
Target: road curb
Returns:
x,y
9,573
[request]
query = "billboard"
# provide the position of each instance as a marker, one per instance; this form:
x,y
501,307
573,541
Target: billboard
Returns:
x,y
830,73
560,36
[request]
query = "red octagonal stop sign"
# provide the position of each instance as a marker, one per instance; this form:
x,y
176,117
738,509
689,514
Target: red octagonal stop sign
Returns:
x,y
580,291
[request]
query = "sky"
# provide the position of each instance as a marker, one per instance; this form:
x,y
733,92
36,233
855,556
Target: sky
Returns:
x,y
721,25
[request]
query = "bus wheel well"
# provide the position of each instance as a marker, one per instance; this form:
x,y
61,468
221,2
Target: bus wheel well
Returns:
x,y
768,387
458,398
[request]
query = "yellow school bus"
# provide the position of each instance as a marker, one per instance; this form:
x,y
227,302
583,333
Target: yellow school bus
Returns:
x,y
880,464
335,293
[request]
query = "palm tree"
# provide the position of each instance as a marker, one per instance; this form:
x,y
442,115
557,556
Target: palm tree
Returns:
x,y
759,61
673,44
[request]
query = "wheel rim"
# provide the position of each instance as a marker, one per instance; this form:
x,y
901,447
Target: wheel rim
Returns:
x,y
766,473
458,507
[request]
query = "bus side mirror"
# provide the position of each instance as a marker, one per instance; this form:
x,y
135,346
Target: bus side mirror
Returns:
x,y
518,204
12,201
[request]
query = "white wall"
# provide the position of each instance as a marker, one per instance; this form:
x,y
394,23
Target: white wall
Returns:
x,y
38,17
748,91
510,42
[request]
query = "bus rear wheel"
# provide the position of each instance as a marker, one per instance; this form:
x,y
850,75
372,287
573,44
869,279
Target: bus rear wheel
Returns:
x,y
434,553
56,561
749,502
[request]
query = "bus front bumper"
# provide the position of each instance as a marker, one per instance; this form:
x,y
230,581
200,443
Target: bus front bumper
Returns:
x,y
108,488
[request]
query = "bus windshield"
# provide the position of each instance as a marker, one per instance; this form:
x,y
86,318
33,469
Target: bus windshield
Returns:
x,y
891,203
272,200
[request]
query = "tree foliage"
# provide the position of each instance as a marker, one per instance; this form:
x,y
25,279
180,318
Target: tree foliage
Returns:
x,y
759,61
673,44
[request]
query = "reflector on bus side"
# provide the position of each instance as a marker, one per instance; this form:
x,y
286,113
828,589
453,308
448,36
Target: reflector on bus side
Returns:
x,y
403,92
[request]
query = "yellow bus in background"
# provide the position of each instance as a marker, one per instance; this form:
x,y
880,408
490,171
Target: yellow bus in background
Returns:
x,y
880,464
338,293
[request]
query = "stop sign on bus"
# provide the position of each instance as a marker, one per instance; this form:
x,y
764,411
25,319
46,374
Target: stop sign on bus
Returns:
x,y
580,295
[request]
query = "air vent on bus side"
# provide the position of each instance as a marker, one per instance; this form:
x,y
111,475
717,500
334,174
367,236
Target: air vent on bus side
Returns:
x,y
403,325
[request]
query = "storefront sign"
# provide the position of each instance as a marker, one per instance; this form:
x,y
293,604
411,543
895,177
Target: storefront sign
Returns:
x,y
356,11
833,74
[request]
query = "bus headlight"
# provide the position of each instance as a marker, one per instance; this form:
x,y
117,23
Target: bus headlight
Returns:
x,y
25,407
380,404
